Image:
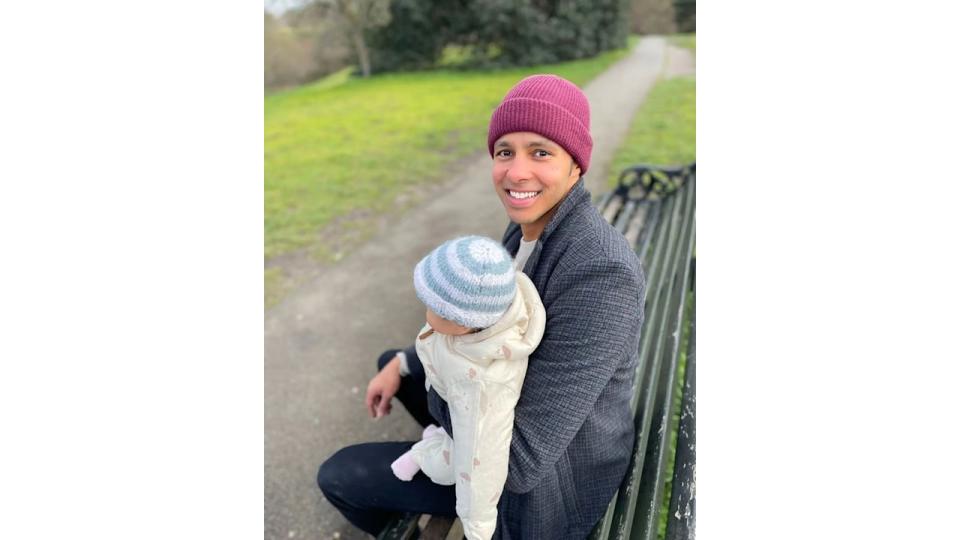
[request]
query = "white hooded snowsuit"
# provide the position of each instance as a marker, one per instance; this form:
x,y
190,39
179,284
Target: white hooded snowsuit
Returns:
x,y
480,376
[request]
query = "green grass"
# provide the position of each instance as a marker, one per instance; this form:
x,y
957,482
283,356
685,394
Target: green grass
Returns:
x,y
339,152
334,79
664,129
688,41
330,150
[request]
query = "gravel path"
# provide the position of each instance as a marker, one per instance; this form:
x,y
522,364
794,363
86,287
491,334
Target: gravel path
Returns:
x,y
321,343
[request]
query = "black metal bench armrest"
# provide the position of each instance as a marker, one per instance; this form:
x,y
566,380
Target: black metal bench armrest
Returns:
x,y
650,181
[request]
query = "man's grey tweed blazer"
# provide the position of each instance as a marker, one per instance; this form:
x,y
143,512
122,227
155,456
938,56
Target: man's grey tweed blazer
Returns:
x,y
573,430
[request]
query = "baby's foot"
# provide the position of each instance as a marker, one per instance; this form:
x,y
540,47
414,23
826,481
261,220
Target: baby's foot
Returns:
x,y
431,430
405,468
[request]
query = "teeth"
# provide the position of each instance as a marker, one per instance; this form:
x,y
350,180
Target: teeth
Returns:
x,y
523,194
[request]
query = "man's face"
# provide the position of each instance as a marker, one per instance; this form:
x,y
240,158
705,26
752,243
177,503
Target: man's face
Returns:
x,y
531,174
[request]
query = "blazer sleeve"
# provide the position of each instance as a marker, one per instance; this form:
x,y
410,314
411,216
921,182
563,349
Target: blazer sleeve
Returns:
x,y
594,313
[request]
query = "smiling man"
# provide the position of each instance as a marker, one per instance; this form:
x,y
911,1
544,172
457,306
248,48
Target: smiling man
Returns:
x,y
539,138
573,428
532,175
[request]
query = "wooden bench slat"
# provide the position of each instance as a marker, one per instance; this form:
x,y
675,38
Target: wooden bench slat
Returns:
x,y
637,222
601,204
625,502
456,531
602,529
625,216
660,272
613,206
650,500
646,235
681,520
440,527
621,501
403,527
654,305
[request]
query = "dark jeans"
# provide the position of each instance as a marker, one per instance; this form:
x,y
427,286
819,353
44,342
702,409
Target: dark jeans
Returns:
x,y
358,480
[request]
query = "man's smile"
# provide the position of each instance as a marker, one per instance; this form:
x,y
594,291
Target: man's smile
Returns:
x,y
522,198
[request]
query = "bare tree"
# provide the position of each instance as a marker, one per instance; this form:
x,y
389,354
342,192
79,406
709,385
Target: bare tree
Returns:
x,y
358,16
653,17
287,60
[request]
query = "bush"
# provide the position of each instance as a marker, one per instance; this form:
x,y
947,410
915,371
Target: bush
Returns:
x,y
498,33
416,35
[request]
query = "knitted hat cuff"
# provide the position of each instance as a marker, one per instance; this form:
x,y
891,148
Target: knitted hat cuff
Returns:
x,y
548,119
469,280
449,311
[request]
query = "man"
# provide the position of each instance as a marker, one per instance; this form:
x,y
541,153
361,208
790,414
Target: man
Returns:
x,y
573,428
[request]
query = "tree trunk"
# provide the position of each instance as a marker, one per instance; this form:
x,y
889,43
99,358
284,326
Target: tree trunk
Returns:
x,y
362,53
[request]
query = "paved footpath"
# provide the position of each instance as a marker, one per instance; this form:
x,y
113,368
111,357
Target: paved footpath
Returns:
x,y
322,342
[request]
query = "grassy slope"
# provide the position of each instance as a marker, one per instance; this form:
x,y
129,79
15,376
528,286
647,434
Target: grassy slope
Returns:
x,y
688,41
664,130
348,150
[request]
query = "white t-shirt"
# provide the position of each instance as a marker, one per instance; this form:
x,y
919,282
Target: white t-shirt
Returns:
x,y
526,248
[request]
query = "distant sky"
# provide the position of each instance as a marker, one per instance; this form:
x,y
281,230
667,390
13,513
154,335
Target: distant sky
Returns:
x,y
277,7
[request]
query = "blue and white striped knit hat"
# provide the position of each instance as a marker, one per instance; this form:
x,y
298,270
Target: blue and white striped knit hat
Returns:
x,y
468,280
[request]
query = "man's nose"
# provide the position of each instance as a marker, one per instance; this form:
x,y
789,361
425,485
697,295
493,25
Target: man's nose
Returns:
x,y
519,169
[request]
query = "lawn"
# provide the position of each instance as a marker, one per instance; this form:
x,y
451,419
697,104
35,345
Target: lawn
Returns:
x,y
664,131
343,151
688,41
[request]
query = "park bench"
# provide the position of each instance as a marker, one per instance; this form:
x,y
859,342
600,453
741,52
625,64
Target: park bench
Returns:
x,y
654,208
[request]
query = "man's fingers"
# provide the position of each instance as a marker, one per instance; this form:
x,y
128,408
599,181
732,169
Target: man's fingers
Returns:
x,y
372,403
384,408
368,401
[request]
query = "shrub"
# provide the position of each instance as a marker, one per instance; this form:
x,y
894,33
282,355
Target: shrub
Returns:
x,y
497,33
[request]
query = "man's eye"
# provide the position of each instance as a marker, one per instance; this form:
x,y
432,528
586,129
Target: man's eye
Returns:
x,y
502,153
541,153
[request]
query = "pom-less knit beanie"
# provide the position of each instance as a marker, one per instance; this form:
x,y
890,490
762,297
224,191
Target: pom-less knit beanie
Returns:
x,y
548,105
468,280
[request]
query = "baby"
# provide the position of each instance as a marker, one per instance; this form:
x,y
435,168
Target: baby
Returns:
x,y
484,319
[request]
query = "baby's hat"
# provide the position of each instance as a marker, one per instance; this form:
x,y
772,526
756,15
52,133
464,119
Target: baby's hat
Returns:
x,y
468,280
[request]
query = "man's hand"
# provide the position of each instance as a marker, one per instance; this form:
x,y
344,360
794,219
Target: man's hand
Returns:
x,y
383,386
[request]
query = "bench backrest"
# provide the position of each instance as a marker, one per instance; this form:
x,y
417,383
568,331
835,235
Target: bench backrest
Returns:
x,y
655,209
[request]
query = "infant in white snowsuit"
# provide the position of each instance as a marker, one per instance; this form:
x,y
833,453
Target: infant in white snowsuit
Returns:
x,y
484,319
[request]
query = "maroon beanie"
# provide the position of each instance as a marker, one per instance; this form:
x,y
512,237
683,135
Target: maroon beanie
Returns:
x,y
548,105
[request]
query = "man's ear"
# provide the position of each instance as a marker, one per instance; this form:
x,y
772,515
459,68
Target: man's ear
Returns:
x,y
573,165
